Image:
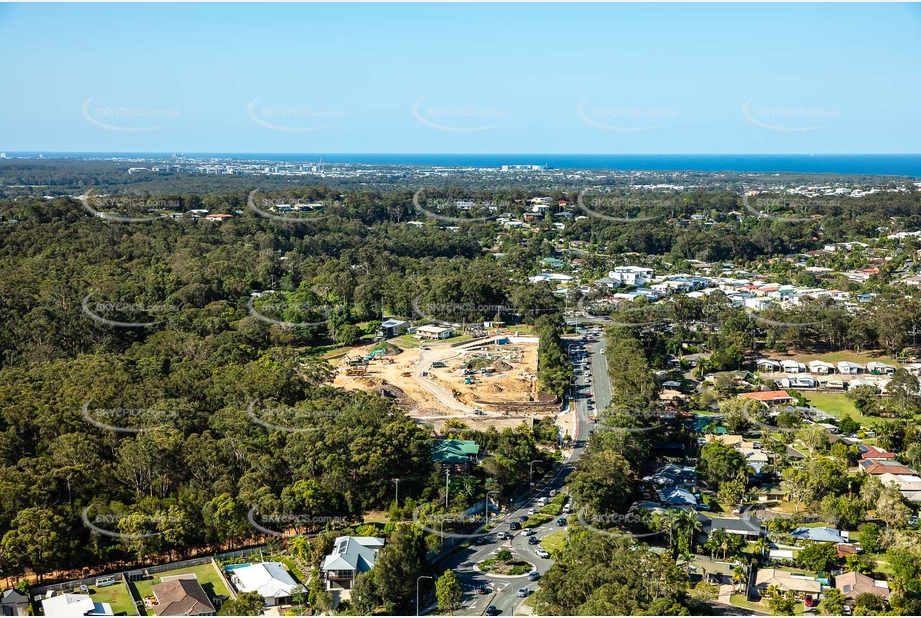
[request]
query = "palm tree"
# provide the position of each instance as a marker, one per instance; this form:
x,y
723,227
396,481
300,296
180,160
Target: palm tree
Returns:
x,y
739,574
717,541
771,592
687,524
762,546
665,522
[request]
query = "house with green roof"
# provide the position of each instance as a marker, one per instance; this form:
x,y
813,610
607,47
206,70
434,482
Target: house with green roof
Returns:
x,y
460,454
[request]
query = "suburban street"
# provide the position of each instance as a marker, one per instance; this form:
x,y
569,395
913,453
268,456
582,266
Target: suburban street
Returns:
x,y
503,589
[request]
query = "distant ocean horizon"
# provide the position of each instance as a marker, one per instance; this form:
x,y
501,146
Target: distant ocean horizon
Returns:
x,y
869,164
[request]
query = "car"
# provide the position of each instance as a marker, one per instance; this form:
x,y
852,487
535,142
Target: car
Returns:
x,y
589,395
527,532
561,521
492,611
484,589
514,526
102,582
552,492
533,540
482,540
912,521
502,535
808,601
533,576
523,591
531,511
541,552
522,518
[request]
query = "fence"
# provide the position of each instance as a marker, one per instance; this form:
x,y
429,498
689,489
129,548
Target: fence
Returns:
x,y
40,593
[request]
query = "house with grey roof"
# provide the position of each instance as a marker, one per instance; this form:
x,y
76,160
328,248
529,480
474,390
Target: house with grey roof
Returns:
x,y
14,603
677,496
351,555
749,527
822,534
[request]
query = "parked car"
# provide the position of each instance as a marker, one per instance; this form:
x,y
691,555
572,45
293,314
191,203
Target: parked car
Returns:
x,y
533,576
533,540
808,601
102,582
523,591
492,611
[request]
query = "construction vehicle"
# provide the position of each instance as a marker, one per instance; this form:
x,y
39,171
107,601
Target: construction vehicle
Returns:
x,y
376,354
356,371
406,374
388,361
468,380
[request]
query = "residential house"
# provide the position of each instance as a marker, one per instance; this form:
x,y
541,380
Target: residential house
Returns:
x,y
14,603
868,451
70,605
434,332
854,583
802,381
882,466
218,217
351,555
749,527
792,366
877,368
769,398
821,367
768,365
671,474
821,534
269,579
182,597
786,582
458,454
849,368
756,458
392,327
677,497
909,485
631,275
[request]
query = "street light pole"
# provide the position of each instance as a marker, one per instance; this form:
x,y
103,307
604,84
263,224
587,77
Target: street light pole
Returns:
x,y
397,481
531,474
489,493
421,577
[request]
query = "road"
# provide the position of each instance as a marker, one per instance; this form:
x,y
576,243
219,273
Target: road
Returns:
x,y
504,589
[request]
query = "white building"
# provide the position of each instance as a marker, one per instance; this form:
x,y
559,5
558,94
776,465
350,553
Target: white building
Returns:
x,y
351,555
269,579
631,275
75,605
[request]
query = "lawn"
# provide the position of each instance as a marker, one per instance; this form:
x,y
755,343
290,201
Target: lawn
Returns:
x,y
838,405
207,576
740,601
554,542
117,596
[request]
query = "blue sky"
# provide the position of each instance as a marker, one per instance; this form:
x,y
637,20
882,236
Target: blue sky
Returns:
x,y
461,78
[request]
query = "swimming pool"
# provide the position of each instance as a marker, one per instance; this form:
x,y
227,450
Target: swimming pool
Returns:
x,y
231,567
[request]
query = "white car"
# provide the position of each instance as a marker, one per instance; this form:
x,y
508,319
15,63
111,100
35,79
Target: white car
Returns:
x,y
552,492
531,511
541,552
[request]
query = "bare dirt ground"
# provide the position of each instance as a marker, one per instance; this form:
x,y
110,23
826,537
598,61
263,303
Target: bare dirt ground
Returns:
x,y
507,393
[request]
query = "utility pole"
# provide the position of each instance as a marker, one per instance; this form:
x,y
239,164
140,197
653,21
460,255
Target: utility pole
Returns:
x,y
447,486
397,481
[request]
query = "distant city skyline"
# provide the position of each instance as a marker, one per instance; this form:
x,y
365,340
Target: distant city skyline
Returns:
x,y
462,78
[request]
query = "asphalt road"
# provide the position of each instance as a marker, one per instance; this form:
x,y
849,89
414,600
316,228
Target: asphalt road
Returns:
x,y
503,589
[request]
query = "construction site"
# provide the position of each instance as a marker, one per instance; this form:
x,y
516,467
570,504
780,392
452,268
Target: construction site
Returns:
x,y
489,381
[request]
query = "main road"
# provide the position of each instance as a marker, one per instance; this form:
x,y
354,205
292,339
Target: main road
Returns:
x,y
503,590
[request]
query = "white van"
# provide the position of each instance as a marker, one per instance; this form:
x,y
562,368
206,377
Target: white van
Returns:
x,y
102,582
542,502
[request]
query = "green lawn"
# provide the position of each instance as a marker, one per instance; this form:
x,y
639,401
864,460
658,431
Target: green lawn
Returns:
x,y
740,601
836,404
554,542
207,576
117,596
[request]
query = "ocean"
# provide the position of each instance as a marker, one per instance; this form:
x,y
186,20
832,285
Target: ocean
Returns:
x,y
896,165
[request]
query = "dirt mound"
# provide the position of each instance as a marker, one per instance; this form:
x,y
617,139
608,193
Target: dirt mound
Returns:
x,y
501,365
547,397
492,388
